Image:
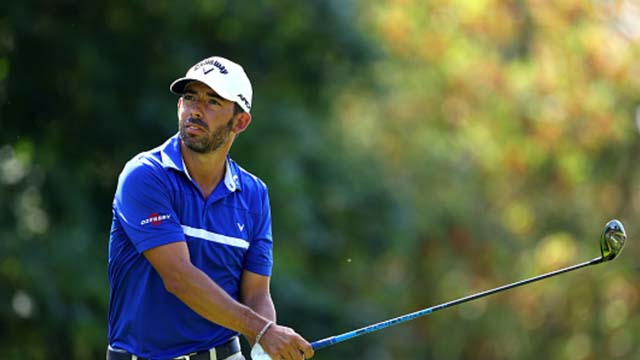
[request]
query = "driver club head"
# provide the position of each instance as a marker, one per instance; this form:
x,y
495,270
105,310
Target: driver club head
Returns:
x,y
612,240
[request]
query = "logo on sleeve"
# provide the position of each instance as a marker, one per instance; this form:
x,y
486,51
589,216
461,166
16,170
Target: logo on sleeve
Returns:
x,y
155,219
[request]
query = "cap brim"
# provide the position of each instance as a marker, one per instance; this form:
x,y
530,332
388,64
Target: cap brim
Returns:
x,y
177,87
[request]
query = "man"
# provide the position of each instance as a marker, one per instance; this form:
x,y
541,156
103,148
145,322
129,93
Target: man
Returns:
x,y
190,252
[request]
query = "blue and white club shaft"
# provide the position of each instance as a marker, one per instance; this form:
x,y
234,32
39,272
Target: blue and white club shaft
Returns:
x,y
323,343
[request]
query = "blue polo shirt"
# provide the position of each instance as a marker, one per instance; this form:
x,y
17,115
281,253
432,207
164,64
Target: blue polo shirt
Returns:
x,y
156,203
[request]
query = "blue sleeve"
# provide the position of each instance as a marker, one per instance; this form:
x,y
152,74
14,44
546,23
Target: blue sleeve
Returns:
x,y
259,257
143,205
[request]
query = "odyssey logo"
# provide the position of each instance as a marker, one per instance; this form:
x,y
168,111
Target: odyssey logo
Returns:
x,y
155,219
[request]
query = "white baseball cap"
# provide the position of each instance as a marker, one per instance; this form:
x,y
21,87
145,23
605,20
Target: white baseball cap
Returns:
x,y
222,75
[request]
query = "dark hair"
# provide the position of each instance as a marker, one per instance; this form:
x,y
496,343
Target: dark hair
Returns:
x,y
237,109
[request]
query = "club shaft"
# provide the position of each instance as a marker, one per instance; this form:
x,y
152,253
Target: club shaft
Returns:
x,y
323,343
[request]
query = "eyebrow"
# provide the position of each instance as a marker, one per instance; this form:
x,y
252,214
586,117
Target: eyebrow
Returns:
x,y
209,93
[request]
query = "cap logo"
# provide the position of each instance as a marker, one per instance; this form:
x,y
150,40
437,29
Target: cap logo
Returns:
x,y
216,65
245,101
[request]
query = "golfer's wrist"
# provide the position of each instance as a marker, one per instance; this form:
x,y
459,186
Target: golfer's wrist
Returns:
x,y
263,331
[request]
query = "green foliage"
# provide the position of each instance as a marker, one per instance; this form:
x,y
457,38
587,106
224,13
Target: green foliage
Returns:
x,y
415,151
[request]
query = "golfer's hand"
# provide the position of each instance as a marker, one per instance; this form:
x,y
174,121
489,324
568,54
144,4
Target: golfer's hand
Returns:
x,y
281,342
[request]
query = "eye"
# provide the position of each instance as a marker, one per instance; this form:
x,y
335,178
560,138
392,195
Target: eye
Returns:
x,y
214,102
188,97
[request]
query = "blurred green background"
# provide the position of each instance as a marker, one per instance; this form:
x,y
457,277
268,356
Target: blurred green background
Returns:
x,y
416,152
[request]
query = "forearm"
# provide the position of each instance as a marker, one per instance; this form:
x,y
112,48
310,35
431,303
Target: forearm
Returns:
x,y
205,297
263,305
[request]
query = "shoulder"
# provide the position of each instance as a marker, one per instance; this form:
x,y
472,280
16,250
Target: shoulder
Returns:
x,y
253,191
143,167
248,181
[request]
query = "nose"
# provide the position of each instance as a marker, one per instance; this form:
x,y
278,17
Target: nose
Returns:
x,y
196,109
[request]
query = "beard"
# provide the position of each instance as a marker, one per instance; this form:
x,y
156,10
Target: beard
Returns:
x,y
207,142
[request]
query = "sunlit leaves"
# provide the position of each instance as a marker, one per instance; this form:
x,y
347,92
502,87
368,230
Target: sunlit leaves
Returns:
x,y
528,103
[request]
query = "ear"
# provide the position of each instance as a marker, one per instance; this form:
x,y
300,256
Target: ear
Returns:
x,y
178,107
242,122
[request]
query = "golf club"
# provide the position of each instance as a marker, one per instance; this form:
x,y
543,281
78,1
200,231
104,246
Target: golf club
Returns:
x,y
611,243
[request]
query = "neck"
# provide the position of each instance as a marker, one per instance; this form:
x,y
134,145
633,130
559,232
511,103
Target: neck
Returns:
x,y
207,170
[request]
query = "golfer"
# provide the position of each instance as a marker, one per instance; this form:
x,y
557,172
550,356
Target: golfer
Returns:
x,y
190,251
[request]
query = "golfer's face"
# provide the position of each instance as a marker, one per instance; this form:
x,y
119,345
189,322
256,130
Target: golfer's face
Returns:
x,y
205,119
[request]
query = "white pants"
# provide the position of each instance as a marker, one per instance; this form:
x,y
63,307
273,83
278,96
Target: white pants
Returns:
x,y
237,356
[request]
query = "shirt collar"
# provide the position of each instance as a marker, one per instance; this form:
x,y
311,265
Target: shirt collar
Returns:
x,y
171,157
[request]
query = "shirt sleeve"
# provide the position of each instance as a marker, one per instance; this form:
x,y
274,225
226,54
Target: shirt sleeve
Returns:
x,y
259,257
143,205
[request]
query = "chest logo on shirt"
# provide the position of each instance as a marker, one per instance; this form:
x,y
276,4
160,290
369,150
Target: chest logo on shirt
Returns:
x,y
155,219
240,226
